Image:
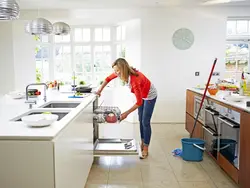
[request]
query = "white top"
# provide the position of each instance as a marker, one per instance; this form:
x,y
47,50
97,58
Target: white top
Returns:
x,y
11,108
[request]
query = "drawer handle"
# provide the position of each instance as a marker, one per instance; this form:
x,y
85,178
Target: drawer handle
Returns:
x,y
203,149
212,113
228,123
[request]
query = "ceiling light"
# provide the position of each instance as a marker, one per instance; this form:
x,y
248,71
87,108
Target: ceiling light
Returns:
x,y
9,10
40,26
61,28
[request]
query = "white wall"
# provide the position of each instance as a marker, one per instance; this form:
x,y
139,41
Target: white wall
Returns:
x,y
172,70
7,76
24,56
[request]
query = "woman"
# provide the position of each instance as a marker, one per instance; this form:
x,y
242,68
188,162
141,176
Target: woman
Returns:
x,y
145,93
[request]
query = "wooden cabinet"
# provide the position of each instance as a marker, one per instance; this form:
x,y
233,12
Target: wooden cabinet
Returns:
x,y
228,168
190,102
244,172
198,132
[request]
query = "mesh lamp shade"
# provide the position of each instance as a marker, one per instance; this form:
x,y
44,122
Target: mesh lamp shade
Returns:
x,y
40,26
61,28
9,10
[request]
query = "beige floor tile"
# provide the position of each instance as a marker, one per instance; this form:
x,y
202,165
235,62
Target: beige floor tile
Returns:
x,y
98,175
124,184
219,176
161,184
129,174
226,184
157,173
102,161
205,184
124,162
88,185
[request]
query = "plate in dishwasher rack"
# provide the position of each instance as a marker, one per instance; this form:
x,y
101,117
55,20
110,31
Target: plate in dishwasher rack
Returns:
x,y
39,120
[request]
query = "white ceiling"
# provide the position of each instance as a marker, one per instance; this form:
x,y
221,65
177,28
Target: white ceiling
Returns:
x,y
83,4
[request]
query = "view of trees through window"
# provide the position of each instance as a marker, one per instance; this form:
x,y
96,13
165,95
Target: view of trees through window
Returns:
x,y
87,51
237,47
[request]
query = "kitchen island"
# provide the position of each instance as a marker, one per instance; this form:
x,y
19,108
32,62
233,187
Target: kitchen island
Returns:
x,y
224,125
58,156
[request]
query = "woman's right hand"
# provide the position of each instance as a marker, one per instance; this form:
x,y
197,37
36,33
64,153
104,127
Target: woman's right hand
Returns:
x,y
98,93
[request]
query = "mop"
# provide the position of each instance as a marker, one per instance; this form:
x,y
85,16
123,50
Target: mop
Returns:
x,y
178,152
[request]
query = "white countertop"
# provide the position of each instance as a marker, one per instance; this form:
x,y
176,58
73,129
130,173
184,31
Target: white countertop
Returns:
x,y
220,97
10,108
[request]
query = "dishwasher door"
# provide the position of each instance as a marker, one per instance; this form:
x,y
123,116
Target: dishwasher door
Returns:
x,y
111,146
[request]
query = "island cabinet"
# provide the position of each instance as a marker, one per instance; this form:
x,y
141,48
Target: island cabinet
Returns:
x,y
198,131
240,172
244,173
190,119
62,161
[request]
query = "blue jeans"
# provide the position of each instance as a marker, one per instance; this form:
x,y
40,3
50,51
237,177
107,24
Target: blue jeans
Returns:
x,y
145,112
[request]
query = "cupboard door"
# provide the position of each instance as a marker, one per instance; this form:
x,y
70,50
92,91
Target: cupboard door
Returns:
x,y
244,150
190,102
198,132
189,123
228,168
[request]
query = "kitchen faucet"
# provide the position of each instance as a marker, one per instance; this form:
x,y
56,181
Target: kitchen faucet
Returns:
x,y
34,101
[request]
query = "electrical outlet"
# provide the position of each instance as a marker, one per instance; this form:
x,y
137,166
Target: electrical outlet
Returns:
x,y
216,73
197,73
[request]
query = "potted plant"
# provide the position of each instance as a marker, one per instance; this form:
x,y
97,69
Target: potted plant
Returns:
x,y
82,82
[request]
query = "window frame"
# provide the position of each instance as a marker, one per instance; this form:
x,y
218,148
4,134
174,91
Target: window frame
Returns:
x,y
238,39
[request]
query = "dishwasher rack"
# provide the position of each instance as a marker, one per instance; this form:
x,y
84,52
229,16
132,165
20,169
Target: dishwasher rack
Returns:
x,y
110,146
107,114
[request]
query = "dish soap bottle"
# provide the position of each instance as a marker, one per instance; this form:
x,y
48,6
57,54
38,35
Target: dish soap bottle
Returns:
x,y
242,83
246,85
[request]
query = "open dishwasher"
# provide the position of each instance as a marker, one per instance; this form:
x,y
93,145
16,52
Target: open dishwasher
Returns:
x,y
113,146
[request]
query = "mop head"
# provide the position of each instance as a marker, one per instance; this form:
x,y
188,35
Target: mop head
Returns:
x,y
177,152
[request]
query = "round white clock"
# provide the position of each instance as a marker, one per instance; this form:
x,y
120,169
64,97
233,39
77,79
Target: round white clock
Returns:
x,y
183,39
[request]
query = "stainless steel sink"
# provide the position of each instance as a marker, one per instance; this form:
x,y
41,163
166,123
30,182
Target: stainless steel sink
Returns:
x,y
61,113
56,104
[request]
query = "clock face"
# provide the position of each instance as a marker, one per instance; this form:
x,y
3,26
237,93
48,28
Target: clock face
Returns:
x,y
183,39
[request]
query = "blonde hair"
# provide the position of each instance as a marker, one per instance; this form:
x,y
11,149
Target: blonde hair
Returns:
x,y
124,68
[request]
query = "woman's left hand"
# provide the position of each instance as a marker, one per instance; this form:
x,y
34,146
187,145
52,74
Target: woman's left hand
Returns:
x,y
123,116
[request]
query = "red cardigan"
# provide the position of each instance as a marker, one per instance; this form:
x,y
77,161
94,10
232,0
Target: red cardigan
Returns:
x,y
140,86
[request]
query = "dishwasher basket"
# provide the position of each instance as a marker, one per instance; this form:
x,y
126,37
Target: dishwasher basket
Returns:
x,y
107,114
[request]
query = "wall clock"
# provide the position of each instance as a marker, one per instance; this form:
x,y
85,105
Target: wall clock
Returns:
x,y
183,39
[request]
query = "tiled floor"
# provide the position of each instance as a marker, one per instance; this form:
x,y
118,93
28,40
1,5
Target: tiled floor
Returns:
x,y
161,169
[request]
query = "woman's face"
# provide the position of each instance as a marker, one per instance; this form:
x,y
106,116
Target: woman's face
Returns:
x,y
117,71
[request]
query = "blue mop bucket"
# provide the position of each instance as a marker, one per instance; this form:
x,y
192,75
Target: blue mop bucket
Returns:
x,y
192,149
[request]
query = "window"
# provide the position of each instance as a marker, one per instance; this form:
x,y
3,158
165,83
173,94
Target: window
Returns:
x,y
83,63
62,63
82,35
237,46
237,56
102,34
62,39
238,27
120,39
87,51
42,54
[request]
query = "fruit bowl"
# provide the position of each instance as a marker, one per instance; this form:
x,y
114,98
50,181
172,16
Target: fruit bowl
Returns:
x,y
212,91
